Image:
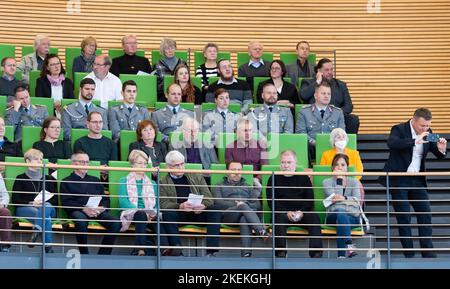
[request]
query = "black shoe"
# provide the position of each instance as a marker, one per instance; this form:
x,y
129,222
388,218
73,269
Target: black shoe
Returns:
x,y
316,255
176,251
33,238
246,254
49,249
5,248
211,253
429,255
409,254
281,254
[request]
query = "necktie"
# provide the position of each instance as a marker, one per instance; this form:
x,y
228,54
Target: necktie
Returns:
x,y
130,109
270,109
26,110
322,112
223,114
174,110
86,108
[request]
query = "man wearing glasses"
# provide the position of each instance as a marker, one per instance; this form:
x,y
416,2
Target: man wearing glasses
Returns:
x,y
178,206
76,191
74,115
107,85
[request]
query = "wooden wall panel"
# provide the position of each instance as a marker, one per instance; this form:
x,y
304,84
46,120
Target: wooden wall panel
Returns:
x,y
393,61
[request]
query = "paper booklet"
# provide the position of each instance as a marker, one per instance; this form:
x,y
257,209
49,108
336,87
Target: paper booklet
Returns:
x,y
93,202
195,200
328,201
48,196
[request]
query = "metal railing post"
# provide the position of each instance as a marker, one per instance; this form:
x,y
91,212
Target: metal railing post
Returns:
x,y
43,218
273,219
158,223
388,213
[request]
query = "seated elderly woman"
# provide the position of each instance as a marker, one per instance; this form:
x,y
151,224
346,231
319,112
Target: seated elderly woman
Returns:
x,y
339,141
85,61
5,218
26,189
343,209
137,196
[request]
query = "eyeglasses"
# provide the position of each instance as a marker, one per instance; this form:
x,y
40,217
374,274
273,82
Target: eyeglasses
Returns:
x,y
54,64
131,43
140,163
99,64
275,68
80,162
176,165
54,127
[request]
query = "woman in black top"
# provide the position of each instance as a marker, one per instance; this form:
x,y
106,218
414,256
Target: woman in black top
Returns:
x,y
287,92
146,134
209,68
50,145
7,148
25,190
52,83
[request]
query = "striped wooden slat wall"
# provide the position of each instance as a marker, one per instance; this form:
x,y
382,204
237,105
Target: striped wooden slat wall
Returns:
x,y
393,61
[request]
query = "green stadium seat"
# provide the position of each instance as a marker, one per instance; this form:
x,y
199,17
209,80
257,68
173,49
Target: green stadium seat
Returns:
x,y
44,101
78,76
7,50
9,132
323,144
243,57
34,75
3,99
298,107
199,59
126,138
290,57
185,105
18,75
71,54
169,79
146,87
156,56
31,134
27,49
117,52
76,133
234,107
280,142
114,177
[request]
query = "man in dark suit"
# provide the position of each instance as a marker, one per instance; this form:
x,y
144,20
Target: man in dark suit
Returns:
x,y
409,147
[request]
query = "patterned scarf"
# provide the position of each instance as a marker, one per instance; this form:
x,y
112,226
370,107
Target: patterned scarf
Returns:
x,y
57,81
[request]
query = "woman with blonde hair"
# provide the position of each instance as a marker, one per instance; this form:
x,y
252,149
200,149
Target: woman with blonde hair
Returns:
x,y
85,61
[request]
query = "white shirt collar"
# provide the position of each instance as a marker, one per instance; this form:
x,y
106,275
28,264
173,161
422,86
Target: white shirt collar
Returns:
x,y
221,82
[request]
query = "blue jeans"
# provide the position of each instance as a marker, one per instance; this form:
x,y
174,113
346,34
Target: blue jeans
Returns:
x,y
344,223
34,214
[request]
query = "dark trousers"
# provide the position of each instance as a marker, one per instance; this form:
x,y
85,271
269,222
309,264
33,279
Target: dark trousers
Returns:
x,y
181,218
401,197
308,218
141,222
81,226
351,123
5,225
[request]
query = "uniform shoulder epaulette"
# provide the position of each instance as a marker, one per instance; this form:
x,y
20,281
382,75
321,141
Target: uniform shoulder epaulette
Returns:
x,y
307,106
335,107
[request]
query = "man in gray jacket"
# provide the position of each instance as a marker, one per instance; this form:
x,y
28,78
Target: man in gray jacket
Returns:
x,y
239,202
270,117
23,113
34,60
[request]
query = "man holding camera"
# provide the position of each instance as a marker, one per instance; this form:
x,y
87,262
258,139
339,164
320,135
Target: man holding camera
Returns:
x,y
409,144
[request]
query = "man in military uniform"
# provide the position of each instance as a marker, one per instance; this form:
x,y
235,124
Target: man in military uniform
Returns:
x,y
75,114
170,117
23,113
270,117
320,117
220,119
126,116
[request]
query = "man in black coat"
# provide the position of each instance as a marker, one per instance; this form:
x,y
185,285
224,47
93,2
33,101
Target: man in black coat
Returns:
x,y
408,147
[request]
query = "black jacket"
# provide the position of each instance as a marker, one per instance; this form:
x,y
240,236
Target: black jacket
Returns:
x,y
157,157
44,88
9,148
401,145
73,186
23,186
288,92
